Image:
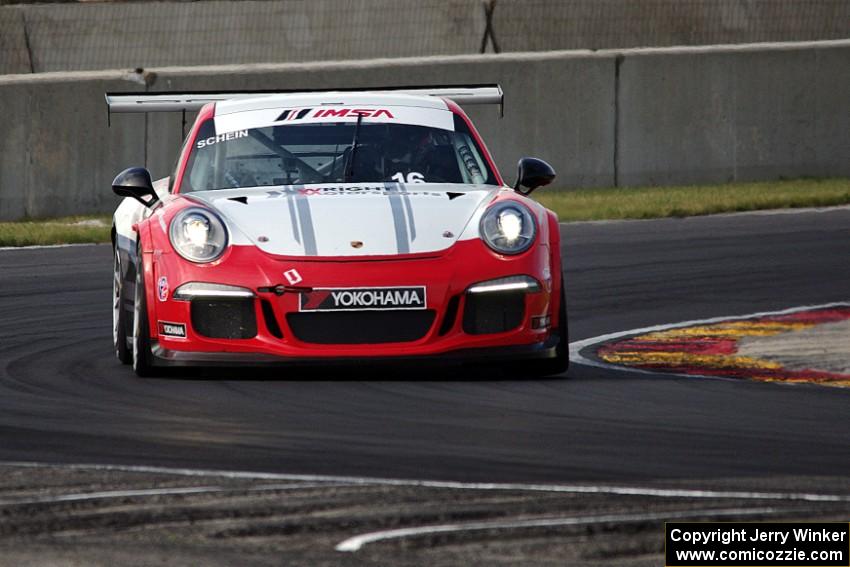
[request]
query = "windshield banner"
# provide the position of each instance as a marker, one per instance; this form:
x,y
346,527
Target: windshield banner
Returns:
x,y
431,117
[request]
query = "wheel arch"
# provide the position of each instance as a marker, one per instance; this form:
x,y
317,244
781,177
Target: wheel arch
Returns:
x,y
145,261
555,265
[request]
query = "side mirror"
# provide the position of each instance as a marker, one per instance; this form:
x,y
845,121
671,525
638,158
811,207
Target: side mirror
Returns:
x,y
533,173
136,183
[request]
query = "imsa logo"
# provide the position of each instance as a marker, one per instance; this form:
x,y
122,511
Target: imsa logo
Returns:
x,y
364,299
344,112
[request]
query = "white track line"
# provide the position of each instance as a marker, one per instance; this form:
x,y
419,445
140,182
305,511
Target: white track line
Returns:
x,y
108,494
454,485
49,246
577,346
357,542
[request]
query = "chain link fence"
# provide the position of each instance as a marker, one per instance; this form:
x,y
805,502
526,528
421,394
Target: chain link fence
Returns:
x,y
78,36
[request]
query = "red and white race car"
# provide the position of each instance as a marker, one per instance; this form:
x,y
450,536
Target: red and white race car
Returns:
x,y
333,226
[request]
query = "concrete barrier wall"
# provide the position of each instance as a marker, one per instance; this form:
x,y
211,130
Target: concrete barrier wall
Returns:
x,y
57,155
14,53
635,117
705,115
531,25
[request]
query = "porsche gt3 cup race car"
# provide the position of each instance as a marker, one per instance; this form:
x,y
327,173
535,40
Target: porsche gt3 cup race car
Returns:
x,y
334,226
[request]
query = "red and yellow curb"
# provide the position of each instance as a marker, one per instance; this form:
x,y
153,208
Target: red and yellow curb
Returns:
x,y
713,349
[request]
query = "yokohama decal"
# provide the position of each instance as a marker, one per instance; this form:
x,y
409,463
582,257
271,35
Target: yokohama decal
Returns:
x,y
363,299
167,329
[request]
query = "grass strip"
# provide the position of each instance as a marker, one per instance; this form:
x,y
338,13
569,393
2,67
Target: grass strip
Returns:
x,y
67,230
657,202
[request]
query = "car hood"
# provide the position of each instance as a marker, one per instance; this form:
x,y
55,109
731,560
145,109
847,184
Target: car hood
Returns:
x,y
350,219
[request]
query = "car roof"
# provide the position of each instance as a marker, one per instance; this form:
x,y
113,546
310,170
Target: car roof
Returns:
x,y
331,98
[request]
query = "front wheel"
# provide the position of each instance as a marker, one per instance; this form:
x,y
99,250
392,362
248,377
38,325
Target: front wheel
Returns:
x,y
142,356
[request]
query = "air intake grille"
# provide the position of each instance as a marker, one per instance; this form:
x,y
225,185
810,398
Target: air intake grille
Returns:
x,y
271,320
224,319
360,327
450,316
493,312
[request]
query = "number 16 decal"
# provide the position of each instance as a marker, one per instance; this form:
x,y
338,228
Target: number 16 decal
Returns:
x,y
412,177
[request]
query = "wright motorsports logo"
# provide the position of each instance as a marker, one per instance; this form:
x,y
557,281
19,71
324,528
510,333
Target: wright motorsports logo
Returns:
x,y
363,299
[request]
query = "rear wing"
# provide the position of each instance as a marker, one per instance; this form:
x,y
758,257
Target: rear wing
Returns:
x,y
192,101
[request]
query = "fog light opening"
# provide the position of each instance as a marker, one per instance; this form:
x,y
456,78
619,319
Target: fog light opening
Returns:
x,y
541,322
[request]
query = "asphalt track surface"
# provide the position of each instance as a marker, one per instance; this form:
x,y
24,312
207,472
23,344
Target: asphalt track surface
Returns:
x,y
65,399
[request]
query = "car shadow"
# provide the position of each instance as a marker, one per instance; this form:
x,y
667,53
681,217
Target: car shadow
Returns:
x,y
357,373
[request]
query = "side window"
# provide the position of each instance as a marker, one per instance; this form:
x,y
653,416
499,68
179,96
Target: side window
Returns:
x,y
183,147
470,155
173,175
196,175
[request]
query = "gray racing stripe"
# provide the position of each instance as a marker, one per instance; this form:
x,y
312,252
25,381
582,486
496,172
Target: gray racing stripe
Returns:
x,y
293,217
305,218
402,239
405,199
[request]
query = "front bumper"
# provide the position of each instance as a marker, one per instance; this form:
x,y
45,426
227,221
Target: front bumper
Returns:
x,y
492,355
275,339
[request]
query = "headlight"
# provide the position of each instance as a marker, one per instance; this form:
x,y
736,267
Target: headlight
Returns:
x,y
508,227
198,235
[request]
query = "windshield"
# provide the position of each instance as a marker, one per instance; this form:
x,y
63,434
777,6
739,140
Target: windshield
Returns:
x,y
324,152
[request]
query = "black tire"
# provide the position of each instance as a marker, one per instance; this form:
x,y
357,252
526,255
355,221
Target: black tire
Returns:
x,y
142,356
119,314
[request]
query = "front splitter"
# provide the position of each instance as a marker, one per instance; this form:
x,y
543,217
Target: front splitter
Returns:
x,y
537,351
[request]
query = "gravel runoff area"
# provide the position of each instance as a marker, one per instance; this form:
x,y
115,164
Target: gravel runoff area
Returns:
x,y
824,347
799,345
67,516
